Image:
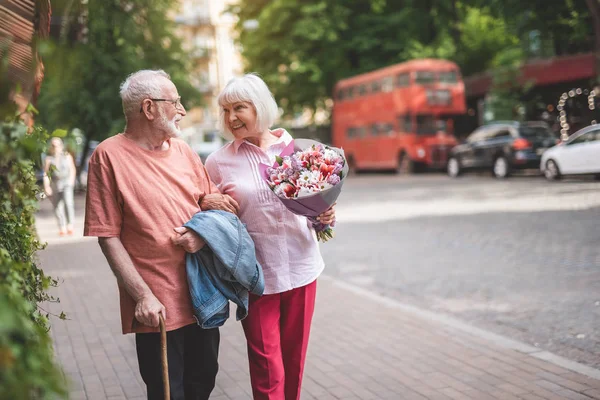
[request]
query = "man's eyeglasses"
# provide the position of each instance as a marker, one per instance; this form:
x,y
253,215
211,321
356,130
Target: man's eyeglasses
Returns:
x,y
176,102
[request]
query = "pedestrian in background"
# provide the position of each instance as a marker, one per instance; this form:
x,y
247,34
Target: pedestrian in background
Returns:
x,y
59,183
278,323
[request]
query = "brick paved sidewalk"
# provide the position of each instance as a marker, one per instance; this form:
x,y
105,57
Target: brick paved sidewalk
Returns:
x,y
362,346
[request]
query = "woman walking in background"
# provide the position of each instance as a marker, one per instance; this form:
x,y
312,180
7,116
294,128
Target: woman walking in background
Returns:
x,y
59,182
278,323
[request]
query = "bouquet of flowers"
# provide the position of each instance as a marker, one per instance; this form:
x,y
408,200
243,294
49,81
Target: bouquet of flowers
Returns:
x,y
307,177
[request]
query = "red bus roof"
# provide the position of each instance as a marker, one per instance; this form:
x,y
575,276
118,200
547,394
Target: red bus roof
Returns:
x,y
431,64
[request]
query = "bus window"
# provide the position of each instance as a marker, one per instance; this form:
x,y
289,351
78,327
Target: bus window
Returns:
x,y
403,80
404,123
438,97
387,84
350,132
362,132
374,130
448,77
375,87
424,77
428,125
349,93
387,129
362,90
382,129
344,94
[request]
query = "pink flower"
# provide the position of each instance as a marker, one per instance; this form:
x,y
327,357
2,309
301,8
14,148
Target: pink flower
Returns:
x,y
285,189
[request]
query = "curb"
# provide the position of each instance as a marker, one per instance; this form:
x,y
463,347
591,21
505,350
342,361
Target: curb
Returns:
x,y
498,340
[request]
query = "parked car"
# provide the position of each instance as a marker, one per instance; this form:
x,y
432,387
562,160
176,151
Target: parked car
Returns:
x,y
578,155
502,147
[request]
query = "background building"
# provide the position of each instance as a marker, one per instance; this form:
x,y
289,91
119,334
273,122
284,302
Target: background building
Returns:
x,y
207,30
23,71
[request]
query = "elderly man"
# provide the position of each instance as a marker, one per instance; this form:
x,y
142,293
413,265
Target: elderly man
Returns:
x,y
143,185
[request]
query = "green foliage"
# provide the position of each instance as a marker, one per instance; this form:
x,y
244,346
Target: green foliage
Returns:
x,y
302,49
81,86
27,369
564,27
508,89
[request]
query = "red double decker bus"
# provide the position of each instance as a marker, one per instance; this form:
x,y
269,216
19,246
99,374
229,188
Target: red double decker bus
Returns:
x,y
399,117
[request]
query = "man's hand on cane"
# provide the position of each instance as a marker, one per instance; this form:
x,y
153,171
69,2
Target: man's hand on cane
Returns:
x,y
147,310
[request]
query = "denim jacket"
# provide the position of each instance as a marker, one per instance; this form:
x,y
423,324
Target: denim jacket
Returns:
x,y
225,269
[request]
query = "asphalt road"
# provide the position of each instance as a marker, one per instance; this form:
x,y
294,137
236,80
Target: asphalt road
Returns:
x,y
519,257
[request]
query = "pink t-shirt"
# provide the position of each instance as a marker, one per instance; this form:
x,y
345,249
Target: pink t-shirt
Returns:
x,y
286,247
140,196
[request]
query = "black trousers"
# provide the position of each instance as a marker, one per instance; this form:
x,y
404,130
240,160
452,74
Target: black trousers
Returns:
x,y
192,353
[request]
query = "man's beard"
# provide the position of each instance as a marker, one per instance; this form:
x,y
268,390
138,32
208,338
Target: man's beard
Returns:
x,y
169,127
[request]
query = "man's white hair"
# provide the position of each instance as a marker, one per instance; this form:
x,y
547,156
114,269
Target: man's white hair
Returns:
x,y
141,85
252,89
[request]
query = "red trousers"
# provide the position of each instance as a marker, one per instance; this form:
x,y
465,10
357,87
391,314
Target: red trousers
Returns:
x,y
277,329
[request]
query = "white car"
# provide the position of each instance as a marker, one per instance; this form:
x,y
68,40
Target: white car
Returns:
x,y
578,155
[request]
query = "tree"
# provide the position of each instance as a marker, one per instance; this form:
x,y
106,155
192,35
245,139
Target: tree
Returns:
x,y
303,48
476,43
563,26
89,60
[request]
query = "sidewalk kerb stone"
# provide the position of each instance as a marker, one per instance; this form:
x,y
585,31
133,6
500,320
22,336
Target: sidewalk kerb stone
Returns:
x,y
498,340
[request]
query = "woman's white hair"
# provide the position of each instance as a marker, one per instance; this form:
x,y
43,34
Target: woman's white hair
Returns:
x,y
141,85
252,89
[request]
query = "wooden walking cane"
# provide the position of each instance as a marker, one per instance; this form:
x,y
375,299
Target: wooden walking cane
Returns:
x,y
163,357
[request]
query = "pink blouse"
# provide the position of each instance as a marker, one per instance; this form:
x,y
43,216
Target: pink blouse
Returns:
x,y
286,245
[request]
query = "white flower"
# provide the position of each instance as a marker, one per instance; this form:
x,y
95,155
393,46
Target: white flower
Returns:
x,y
324,185
307,191
308,178
330,155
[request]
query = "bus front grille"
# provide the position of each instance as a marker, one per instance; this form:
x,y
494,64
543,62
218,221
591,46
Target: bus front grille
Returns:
x,y
439,155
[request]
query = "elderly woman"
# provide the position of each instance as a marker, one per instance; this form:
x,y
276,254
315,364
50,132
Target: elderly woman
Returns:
x,y
59,183
278,323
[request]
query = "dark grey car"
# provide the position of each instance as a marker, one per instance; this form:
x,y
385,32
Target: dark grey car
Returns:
x,y
501,147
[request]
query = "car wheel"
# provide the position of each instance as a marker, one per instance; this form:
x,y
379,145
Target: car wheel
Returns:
x,y
501,168
453,167
551,172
